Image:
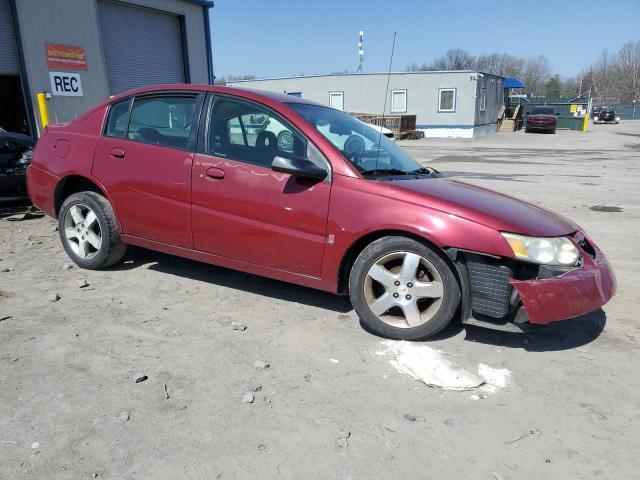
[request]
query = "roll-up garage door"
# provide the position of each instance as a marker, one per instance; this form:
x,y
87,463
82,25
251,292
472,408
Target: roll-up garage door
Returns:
x,y
8,54
141,46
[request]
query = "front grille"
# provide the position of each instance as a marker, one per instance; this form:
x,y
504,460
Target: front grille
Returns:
x,y
489,285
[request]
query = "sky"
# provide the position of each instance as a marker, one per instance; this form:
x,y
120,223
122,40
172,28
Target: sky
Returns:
x,y
273,38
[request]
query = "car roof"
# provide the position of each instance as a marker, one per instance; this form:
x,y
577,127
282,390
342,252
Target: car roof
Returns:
x,y
252,93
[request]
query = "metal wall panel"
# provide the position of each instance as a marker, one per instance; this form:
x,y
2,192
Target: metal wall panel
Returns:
x,y
8,53
141,46
75,22
72,22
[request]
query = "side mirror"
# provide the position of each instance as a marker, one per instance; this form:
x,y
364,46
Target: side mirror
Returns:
x,y
298,167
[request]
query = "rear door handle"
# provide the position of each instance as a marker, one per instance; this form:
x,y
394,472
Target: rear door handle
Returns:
x,y
117,152
214,172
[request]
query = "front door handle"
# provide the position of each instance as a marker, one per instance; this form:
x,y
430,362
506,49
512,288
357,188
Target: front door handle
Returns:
x,y
117,152
216,173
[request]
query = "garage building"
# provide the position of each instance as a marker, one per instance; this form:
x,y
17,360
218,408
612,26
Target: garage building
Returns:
x,y
464,103
79,52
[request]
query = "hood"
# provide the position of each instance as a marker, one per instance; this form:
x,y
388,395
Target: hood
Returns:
x,y
481,205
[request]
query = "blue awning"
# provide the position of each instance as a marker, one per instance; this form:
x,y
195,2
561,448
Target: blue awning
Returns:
x,y
513,83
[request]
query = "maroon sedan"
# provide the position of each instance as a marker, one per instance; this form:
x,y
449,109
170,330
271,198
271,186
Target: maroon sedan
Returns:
x,y
541,119
286,188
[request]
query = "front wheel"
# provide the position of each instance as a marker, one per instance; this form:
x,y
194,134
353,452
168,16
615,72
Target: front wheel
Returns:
x,y
402,289
89,231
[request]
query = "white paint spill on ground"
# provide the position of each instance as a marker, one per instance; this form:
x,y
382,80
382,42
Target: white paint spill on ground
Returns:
x,y
496,377
428,365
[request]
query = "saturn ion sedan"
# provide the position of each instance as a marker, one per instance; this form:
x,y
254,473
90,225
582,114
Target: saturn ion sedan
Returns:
x,y
328,203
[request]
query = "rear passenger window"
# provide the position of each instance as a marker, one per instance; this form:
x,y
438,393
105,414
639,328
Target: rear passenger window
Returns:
x,y
165,121
117,121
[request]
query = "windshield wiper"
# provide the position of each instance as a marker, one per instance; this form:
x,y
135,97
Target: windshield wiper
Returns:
x,y
386,171
395,171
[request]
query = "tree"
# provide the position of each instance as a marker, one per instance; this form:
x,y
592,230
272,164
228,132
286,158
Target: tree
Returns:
x,y
615,77
454,59
501,64
533,71
535,74
553,87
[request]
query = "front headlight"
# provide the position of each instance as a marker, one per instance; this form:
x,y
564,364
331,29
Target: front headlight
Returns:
x,y
547,251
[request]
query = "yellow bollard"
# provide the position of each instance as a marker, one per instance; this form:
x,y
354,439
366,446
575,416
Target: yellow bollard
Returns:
x,y
44,114
585,123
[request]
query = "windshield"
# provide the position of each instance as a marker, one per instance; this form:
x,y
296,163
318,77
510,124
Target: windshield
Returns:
x,y
543,111
363,146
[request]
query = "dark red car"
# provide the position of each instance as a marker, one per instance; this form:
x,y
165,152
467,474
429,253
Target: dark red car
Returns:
x,y
289,189
541,119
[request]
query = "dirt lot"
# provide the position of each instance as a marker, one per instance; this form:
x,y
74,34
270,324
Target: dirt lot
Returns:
x,y
328,406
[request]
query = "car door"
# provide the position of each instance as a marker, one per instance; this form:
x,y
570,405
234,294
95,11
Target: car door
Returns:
x,y
144,160
244,210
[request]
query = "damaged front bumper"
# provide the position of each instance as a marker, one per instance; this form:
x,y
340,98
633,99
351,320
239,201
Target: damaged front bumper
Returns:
x,y
498,291
576,292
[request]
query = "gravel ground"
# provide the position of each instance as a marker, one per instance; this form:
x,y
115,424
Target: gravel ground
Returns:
x,y
327,406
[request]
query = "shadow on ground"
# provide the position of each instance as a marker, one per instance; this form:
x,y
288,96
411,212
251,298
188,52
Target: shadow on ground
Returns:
x,y
554,337
203,272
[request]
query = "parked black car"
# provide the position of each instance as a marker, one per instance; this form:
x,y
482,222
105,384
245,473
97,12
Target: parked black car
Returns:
x,y
605,115
16,150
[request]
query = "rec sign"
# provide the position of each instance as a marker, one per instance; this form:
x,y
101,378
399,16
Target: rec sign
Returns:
x,y
65,84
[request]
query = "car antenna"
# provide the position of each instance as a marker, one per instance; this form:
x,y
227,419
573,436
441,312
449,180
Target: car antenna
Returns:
x,y
384,108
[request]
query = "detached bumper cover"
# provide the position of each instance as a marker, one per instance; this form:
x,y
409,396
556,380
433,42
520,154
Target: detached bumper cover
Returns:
x,y
577,292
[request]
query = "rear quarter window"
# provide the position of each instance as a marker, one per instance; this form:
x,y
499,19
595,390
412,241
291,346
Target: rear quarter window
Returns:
x,y
117,120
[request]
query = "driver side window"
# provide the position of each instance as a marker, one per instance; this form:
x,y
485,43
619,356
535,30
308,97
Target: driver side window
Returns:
x,y
249,133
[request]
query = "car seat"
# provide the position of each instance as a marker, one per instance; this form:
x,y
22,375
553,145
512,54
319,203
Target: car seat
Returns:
x,y
266,147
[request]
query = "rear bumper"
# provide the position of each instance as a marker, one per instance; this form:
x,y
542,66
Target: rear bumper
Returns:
x,y
541,127
577,292
41,186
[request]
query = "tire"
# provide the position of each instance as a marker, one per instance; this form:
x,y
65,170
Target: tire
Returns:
x,y
79,240
391,254
553,132
526,130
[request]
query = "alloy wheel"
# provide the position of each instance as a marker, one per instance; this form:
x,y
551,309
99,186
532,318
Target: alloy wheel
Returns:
x,y
403,289
82,231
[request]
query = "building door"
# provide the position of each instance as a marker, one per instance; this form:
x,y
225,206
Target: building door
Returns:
x,y
141,46
13,114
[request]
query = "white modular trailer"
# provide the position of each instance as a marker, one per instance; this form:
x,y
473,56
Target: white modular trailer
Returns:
x,y
463,103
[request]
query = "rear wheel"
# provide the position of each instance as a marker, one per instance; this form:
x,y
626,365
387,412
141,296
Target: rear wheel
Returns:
x,y
402,289
89,231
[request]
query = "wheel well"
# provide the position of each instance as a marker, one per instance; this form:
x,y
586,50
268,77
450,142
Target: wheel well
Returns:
x,y
359,245
70,185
